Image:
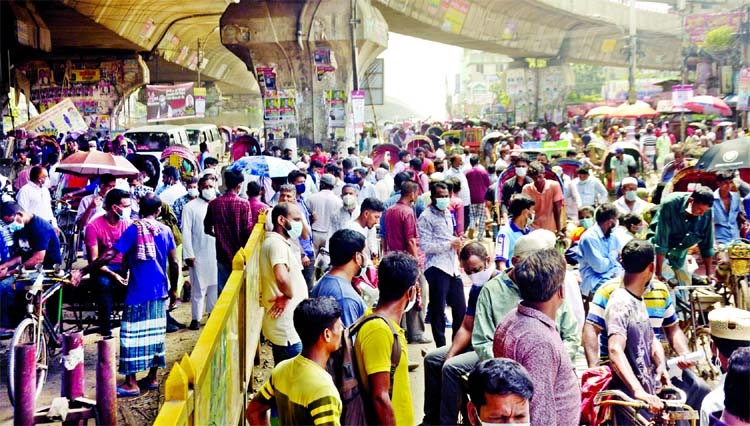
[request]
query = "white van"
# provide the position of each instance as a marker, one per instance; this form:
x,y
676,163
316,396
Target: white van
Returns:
x,y
158,137
207,133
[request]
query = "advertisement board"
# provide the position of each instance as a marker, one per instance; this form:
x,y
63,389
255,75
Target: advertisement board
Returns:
x,y
64,117
173,102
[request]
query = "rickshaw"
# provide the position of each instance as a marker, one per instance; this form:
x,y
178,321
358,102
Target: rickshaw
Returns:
x,y
510,173
569,167
630,149
386,152
419,141
668,172
226,136
487,155
182,158
245,145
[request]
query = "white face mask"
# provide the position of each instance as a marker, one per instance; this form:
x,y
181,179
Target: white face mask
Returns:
x,y
521,171
483,423
481,277
411,303
192,192
208,194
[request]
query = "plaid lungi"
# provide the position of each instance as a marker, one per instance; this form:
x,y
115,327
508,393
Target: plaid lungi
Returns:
x,y
477,219
143,330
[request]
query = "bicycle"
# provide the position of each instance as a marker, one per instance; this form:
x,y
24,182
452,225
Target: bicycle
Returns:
x,y
675,409
36,328
68,232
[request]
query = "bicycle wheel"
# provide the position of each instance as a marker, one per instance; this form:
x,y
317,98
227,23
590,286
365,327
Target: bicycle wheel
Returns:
x,y
64,249
24,335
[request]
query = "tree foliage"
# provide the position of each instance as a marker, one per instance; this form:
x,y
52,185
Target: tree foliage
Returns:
x,y
719,39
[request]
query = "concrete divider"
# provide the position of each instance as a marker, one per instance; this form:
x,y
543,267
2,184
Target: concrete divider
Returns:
x,y
210,385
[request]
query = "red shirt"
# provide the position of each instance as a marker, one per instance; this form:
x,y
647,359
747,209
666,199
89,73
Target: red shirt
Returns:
x,y
401,226
229,218
479,181
322,157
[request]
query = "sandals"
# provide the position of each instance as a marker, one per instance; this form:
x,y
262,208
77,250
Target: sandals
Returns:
x,y
144,383
124,393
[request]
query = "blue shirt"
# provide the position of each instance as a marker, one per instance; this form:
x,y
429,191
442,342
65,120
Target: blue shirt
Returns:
x,y
352,305
435,229
599,259
725,222
506,241
148,278
306,244
38,235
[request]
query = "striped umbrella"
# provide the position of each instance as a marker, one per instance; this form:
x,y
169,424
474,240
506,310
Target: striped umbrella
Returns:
x,y
708,105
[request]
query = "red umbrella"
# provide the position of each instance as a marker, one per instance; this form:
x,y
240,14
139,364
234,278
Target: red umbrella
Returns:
x,y
708,105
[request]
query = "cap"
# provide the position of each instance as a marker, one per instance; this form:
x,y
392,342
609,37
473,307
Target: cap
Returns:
x,y
437,177
360,170
540,239
328,179
380,173
367,161
629,181
619,150
730,323
302,165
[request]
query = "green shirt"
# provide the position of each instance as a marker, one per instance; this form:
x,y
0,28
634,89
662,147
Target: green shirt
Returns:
x,y
497,297
675,233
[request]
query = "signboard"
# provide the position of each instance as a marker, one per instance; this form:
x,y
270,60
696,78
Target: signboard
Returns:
x,y
358,110
372,83
743,90
697,26
85,76
61,118
335,104
172,102
680,95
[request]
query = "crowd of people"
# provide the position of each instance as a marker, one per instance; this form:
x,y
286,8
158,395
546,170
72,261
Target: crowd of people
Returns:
x,y
434,240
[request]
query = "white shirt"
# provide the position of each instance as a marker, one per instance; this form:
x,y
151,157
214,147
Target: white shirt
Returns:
x,y
324,204
36,200
383,188
572,198
368,233
198,245
85,203
713,402
464,194
172,193
639,206
588,190
367,191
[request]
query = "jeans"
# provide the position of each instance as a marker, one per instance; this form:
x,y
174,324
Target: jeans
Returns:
x,y
281,353
445,289
443,387
223,276
9,317
103,284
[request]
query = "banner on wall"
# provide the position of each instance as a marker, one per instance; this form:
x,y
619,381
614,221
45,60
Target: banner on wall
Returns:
x,y
743,90
358,110
64,117
173,102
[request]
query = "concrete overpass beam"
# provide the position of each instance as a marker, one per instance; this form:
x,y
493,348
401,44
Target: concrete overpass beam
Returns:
x,y
285,36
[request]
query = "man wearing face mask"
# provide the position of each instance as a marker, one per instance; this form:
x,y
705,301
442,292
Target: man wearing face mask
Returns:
x,y
172,187
445,366
92,205
299,180
455,171
521,212
34,197
599,249
199,252
348,260
636,356
440,245
590,188
192,193
100,235
281,282
629,202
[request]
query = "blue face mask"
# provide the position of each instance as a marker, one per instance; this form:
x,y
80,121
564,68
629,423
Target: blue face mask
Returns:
x,y
442,203
300,187
15,226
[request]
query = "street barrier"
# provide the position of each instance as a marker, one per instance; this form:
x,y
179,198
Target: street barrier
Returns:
x,y
210,386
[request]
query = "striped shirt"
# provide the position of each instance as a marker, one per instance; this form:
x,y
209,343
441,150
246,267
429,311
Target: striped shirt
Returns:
x,y
659,305
303,393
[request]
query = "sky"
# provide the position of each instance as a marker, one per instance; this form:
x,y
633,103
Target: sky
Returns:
x,y
415,72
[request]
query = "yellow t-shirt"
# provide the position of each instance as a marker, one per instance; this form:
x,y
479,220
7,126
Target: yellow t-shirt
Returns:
x,y
373,346
278,250
303,393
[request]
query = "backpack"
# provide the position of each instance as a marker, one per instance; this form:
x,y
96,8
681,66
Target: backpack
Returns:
x,y
342,365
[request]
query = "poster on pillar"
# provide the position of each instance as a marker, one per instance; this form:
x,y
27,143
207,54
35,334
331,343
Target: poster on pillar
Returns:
x,y
336,106
358,110
266,80
743,90
172,102
280,107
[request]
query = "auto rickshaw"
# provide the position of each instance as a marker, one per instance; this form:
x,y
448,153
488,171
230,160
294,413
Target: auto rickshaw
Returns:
x,y
419,141
245,145
630,149
386,152
182,158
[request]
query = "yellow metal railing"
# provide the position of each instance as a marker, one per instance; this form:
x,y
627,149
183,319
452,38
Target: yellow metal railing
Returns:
x,y
209,387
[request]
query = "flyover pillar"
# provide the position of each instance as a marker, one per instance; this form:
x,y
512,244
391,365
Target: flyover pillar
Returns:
x,y
301,54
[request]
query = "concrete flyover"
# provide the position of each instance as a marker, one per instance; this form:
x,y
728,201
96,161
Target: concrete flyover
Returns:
x,y
583,31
